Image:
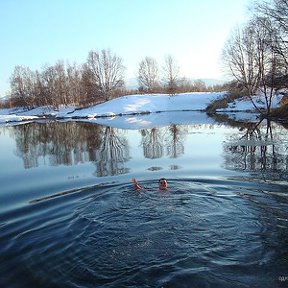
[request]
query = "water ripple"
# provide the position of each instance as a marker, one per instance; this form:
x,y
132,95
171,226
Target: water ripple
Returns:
x,y
200,233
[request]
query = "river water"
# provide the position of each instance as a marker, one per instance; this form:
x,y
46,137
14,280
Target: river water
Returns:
x,y
69,216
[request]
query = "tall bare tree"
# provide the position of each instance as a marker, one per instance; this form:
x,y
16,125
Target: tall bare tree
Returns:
x,y
49,78
73,80
251,60
89,89
148,74
267,58
22,86
277,12
107,71
171,73
239,56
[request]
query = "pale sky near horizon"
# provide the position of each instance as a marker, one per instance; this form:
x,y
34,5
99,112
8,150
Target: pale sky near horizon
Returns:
x,y
39,32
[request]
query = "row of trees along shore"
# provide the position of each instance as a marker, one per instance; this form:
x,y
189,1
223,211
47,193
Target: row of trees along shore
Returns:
x,y
255,55
99,79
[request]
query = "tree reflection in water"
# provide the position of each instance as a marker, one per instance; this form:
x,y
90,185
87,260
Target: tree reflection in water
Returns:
x,y
175,146
55,143
72,143
154,141
256,149
60,143
112,154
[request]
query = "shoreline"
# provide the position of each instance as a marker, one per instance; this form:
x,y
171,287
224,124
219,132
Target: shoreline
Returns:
x,y
132,106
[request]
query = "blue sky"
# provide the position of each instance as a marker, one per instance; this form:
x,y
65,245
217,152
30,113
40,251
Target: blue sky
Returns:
x,y
39,32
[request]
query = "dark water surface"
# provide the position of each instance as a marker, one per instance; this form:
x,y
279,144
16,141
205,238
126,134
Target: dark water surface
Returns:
x,y
70,218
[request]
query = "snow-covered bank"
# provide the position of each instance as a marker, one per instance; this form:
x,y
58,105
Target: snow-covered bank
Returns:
x,y
246,105
133,104
126,105
130,106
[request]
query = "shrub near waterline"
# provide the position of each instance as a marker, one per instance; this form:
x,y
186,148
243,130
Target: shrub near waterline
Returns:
x,y
282,111
222,103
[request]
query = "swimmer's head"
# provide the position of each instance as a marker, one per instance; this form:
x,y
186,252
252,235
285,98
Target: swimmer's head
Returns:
x,y
163,185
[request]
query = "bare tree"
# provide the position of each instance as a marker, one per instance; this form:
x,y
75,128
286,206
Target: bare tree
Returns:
x,y
277,12
22,86
107,71
148,74
239,56
199,86
61,89
49,80
40,91
251,60
171,73
73,83
267,59
185,85
89,89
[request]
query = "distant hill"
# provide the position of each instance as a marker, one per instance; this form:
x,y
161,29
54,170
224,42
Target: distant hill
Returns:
x,y
211,82
4,97
132,83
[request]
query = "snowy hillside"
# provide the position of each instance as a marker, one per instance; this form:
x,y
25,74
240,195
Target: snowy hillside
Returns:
x,y
130,105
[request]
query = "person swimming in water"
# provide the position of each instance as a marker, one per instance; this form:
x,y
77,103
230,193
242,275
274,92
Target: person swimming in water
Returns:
x,y
163,184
